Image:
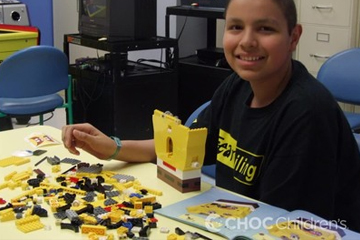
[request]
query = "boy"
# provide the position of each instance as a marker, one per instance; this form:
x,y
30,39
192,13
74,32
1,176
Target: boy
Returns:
x,y
275,133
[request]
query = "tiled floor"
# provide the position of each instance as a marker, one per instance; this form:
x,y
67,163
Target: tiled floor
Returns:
x,y
57,120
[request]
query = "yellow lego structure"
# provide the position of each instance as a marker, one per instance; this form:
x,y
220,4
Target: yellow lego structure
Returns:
x,y
180,151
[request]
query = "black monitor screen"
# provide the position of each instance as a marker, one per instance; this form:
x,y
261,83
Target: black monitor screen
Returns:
x,y
94,8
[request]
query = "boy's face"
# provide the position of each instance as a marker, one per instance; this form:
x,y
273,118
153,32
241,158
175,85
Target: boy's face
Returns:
x,y
256,41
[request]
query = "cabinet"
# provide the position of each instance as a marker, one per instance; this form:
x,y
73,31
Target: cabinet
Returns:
x,y
119,96
198,78
329,26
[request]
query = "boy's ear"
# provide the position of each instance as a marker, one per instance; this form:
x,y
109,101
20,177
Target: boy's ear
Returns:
x,y
295,36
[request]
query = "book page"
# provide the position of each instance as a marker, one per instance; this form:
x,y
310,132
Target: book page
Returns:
x,y
224,213
230,215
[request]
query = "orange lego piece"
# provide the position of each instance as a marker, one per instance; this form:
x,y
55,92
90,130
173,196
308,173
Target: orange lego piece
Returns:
x,y
99,230
148,209
138,205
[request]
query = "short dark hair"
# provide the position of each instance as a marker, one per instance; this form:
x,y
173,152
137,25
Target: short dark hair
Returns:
x,y
287,7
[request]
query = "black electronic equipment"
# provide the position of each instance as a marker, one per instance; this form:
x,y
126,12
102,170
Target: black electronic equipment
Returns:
x,y
124,107
118,19
205,3
212,57
103,64
210,53
197,84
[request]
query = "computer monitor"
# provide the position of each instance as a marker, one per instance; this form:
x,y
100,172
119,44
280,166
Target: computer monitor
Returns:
x,y
118,19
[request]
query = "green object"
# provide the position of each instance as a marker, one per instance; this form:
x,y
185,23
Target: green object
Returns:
x,y
118,147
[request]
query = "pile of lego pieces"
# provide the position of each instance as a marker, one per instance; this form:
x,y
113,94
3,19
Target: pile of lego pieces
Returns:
x,y
83,199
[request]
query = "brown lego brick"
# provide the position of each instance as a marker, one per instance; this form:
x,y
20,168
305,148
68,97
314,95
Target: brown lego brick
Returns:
x,y
184,186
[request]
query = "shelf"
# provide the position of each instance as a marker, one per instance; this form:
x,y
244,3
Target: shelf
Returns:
x,y
194,60
131,69
119,98
124,45
202,12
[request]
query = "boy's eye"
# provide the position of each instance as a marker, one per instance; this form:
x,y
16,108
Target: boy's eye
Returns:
x,y
267,29
235,27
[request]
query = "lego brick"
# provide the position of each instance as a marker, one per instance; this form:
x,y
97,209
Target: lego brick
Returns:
x,y
29,224
10,175
183,186
13,160
7,215
151,191
99,230
123,178
72,161
190,174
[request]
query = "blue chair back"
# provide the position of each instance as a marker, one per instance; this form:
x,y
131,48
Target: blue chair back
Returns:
x,y
341,75
46,66
194,115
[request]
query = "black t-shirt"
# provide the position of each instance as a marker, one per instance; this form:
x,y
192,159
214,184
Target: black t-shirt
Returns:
x,y
296,153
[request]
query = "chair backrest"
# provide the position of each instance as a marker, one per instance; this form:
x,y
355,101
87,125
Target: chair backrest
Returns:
x,y
34,71
341,75
194,115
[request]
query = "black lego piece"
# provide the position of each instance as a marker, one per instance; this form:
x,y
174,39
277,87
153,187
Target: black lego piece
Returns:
x,y
69,226
145,231
39,211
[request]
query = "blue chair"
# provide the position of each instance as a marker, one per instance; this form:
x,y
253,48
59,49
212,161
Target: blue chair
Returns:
x,y
194,115
357,138
341,75
30,82
209,170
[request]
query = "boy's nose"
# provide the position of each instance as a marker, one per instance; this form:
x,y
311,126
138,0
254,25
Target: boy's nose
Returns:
x,y
248,39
